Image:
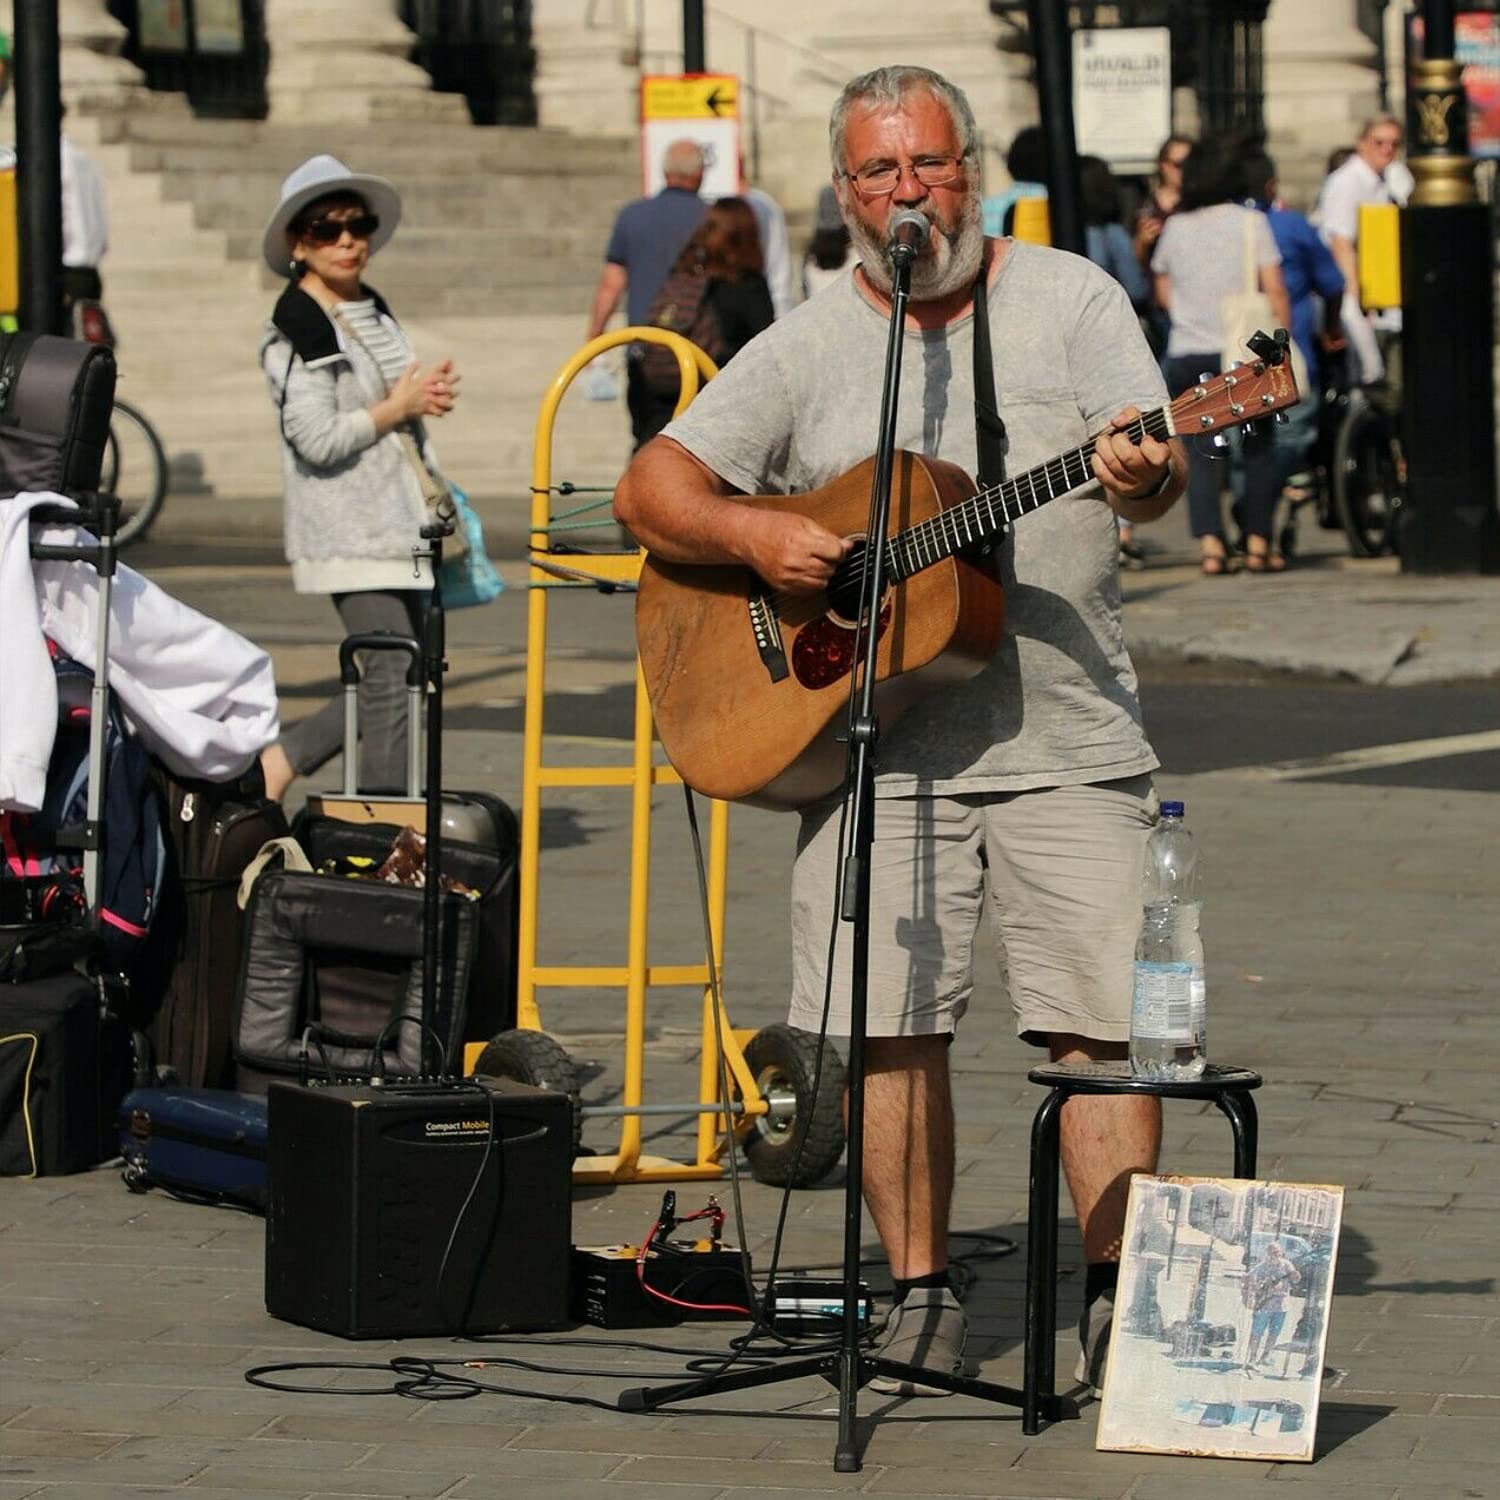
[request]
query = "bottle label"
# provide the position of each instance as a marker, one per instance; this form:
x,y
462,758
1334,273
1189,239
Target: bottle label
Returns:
x,y
1163,1007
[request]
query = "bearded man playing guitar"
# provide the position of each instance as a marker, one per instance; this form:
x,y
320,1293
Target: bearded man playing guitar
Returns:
x,y
1030,780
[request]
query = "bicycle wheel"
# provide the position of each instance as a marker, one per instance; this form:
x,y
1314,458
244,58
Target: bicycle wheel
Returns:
x,y
1367,485
135,469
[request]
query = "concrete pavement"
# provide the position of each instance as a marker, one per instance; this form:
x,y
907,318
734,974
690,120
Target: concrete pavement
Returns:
x,y
1349,931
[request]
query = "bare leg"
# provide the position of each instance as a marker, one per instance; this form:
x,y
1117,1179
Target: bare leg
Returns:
x,y
908,1168
1104,1140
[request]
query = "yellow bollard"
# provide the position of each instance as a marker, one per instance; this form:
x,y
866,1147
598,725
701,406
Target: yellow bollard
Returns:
x,y
10,281
1379,255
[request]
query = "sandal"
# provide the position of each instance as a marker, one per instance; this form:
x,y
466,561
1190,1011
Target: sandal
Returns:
x,y
1265,562
1210,565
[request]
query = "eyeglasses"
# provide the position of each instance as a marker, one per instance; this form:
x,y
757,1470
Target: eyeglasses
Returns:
x,y
883,178
327,231
1391,142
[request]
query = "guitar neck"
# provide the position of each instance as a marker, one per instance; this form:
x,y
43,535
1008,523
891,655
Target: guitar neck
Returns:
x,y
990,513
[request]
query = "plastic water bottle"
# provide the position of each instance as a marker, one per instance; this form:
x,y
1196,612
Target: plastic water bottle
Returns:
x,y
1167,1017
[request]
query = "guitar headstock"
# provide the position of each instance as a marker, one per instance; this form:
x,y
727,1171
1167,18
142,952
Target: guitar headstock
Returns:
x,y
1243,393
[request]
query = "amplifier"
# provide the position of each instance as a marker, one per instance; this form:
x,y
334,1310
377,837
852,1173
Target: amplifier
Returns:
x,y
418,1207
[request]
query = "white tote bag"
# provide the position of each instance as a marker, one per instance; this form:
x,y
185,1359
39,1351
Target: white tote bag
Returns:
x,y
1248,310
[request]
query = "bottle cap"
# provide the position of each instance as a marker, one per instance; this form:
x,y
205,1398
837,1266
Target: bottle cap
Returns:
x,y
1172,809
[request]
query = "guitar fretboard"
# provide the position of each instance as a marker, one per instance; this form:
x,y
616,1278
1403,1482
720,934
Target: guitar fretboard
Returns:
x,y
992,511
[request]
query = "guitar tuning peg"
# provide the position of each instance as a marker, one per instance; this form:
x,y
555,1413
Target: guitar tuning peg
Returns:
x,y
1205,377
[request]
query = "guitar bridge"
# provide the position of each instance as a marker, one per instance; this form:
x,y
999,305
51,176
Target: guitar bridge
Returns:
x,y
767,631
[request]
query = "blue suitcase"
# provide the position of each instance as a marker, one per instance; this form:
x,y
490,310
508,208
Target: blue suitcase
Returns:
x,y
204,1145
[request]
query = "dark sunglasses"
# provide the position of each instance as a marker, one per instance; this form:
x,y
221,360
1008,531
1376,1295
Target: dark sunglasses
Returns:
x,y
327,231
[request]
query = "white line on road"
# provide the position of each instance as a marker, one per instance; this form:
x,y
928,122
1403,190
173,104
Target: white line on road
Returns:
x,y
1368,757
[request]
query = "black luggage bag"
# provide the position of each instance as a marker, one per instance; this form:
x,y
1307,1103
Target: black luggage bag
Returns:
x,y
56,399
213,831
65,1063
205,1145
331,979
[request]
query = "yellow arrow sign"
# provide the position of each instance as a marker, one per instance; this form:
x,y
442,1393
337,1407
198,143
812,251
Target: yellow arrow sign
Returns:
x,y
697,96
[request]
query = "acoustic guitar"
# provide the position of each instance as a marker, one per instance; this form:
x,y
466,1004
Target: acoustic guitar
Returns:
x,y
750,688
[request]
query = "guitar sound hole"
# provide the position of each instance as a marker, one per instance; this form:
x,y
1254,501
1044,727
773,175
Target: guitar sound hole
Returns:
x,y
823,652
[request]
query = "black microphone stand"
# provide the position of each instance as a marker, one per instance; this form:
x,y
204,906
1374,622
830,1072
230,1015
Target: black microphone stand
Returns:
x,y
849,1367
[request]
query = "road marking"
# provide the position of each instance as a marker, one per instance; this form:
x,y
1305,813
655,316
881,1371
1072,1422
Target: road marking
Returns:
x,y
1369,757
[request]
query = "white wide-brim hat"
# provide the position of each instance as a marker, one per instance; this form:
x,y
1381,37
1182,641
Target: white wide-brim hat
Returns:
x,y
317,178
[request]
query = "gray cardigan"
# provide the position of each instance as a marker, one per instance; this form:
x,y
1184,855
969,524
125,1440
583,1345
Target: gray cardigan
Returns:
x,y
348,494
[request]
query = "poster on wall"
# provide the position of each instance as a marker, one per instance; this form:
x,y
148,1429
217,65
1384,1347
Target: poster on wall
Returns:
x,y
218,26
162,25
1122,94
1476,45
1221,1318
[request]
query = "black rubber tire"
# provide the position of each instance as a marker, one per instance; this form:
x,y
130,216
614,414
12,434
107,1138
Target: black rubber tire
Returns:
x,y
533,1057
781,1057
1367,479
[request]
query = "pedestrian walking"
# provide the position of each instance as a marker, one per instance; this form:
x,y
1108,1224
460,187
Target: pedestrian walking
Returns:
x,y
716,295
360,475
829,253
1315,290
647,237
1161,202
1199,263
776,248
1363,178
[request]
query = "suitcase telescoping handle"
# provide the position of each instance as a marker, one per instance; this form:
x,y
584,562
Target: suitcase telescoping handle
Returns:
x,y
382,640
101,515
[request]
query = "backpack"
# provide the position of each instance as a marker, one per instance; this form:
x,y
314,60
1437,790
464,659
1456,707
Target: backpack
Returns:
x,y
682,306
44,875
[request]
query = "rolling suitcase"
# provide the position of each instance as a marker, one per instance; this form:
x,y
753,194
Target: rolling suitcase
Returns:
x,y
205,1145
67,1056
214,830
480,847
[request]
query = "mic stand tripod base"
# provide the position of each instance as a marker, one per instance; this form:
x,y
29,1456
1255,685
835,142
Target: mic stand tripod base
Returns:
x,y
642,1398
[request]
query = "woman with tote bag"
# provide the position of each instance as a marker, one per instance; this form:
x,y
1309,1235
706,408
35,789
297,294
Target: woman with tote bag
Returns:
x,y
1213,263
361,479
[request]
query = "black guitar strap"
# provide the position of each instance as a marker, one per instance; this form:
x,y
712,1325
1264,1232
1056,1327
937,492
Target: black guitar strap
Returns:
x,y
989,428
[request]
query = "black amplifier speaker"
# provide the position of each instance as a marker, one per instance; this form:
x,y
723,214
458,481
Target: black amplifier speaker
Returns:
x,y
418,1208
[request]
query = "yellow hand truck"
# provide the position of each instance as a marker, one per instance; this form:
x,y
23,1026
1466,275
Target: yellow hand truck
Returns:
x,y
778,1096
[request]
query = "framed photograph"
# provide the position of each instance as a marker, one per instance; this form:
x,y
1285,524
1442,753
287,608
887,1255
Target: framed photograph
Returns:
x,y
1221,1318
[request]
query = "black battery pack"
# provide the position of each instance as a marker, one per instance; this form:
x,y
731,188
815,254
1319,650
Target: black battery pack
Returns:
x,y
693,1282
809,1305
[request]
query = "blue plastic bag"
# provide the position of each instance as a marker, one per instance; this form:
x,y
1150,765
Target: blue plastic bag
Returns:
x,y
470,579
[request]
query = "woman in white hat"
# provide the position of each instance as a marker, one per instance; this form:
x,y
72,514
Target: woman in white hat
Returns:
x,y
358,469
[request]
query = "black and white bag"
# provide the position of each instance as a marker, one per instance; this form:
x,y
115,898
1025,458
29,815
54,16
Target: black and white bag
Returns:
x,y
56,398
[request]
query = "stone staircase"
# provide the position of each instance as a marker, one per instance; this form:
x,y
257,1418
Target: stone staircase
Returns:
x,y
498,253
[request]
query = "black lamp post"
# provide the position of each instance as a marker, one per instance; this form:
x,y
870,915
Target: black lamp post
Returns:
x,y
39,178
693,47
1052,49
1449,523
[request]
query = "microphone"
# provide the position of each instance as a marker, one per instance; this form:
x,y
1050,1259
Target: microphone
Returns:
x,y
909,231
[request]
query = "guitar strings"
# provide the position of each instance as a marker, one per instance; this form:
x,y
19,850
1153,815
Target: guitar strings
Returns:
x,y
942,535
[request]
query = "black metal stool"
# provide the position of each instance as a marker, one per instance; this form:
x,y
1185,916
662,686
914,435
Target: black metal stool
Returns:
x,y
1229,1088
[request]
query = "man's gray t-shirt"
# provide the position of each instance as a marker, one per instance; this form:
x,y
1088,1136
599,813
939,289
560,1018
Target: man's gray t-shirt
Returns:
x,y
800,405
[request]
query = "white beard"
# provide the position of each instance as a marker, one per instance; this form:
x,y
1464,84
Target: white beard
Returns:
x,y
939,271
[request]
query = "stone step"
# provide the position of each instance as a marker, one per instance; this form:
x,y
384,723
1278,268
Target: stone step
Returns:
x,y
246,201
137,299
473,153
171,127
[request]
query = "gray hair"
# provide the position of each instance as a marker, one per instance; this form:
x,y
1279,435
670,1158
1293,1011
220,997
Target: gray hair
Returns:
x,y
886,89
682,159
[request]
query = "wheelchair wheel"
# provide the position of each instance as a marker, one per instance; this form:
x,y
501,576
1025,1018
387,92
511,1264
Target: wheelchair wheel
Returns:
x,y
1368,488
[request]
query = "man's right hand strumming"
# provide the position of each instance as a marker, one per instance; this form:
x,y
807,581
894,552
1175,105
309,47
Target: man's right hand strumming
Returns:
x,y
675,507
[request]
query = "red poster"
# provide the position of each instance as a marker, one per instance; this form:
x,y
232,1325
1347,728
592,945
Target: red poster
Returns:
x,y
1476,44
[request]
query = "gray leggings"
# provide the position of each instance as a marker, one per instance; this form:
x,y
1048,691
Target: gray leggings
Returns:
x,y
315,740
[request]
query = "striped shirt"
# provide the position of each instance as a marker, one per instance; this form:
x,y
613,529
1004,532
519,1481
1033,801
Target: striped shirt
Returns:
x,y
380,336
